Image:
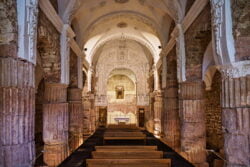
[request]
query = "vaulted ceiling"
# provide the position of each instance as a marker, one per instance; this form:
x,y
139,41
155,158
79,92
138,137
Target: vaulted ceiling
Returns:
x,y
96,22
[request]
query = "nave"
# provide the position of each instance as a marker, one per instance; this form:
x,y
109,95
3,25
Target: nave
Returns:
x,y
147,152
180,69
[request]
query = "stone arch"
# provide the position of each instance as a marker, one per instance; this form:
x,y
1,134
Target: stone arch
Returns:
x,y
127,37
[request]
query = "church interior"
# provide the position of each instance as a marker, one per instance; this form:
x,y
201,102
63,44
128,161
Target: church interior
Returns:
x,y
124,83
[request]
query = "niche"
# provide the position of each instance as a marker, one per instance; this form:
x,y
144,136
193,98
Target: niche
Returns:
x,y
119,92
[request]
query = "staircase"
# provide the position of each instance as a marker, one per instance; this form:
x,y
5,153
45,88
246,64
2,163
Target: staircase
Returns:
x,y
126,156
96,151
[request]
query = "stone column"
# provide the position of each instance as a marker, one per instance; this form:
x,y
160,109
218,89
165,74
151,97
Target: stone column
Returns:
x,y
75,118
86,115
156,79
55,123
89,78
236,117
192,116
172,120
158,106
18,26
92,113
17,110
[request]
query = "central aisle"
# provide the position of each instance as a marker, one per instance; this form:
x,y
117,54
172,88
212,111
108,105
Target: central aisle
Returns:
x,y
89,147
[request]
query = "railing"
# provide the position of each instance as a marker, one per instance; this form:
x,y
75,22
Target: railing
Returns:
x,y
218,155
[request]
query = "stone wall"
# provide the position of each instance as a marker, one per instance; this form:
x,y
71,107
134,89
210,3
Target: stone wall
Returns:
x,y
8,28
73,82
213,114
241,28
49,48
124,56
197,38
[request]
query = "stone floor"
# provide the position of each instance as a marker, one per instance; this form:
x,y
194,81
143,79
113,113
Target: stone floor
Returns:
x,y
78,158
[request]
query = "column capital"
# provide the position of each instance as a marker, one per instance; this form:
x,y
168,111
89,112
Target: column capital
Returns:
x,y
55,92
158,92
235,70
74,94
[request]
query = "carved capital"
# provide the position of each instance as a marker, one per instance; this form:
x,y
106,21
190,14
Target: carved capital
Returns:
x,y
158,93
236,70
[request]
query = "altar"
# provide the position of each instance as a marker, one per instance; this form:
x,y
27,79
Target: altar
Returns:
x,y
121,120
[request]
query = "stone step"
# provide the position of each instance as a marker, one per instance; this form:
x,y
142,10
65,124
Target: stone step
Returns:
x,y
100,148
128,154
120,134
128,162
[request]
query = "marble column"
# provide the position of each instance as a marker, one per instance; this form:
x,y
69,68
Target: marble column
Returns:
x,y
75,118
192,117
236,117
55,123
17,110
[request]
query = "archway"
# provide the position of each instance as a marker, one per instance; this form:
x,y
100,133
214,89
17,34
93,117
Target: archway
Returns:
x,y
121,97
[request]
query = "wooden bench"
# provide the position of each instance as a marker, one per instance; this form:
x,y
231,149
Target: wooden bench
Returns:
x,y
128,162
124,136
135,148
127,154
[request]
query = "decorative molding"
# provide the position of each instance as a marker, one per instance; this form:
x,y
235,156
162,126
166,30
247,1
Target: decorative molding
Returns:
x,y
27,29
223,41
235,70
217,19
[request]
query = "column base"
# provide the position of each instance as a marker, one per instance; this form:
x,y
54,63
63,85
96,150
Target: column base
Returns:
x,y
75,140
196,157
201,165
20,155
54,154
